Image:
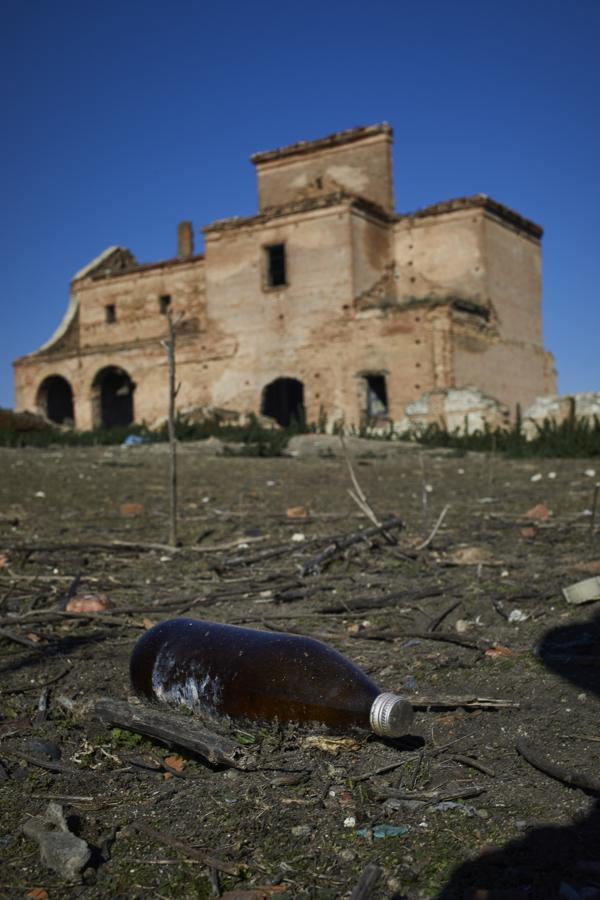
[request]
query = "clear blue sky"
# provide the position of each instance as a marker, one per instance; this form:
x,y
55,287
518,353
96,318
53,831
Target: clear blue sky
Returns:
x,y
122,118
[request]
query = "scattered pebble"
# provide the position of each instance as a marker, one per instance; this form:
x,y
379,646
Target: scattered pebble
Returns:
x,y
536,477
298,537
517,615
39,494
591,473
551,475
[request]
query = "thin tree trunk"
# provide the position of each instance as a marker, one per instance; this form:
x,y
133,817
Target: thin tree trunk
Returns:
x,y
172,438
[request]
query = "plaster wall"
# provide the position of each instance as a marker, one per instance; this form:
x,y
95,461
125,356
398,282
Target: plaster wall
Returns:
x,y
136,299
277,329
513,280
372,250
362,168
441,256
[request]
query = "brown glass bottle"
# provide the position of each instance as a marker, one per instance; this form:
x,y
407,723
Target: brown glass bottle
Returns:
x,y
261,675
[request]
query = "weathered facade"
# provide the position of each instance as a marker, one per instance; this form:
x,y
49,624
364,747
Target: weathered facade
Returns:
x,y
325,301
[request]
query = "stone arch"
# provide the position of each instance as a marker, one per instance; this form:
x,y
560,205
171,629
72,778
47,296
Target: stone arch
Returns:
x,y
283,400
112,398
54,400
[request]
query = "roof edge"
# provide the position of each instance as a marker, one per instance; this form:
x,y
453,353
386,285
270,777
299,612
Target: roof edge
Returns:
x,y
481,201
336,139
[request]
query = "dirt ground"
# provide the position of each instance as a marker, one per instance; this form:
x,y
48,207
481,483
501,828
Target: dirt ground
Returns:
x,y
472,627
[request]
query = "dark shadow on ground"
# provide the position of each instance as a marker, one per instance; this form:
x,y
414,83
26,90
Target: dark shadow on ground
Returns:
x,y
550,861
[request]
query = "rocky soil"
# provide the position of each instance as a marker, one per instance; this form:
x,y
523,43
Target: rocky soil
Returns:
x,y
471,625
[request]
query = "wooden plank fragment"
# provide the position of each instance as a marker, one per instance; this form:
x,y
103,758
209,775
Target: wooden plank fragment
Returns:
x,y
170,728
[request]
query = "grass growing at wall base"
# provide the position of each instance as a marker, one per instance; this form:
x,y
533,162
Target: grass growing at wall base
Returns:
x,y
251,439
572,437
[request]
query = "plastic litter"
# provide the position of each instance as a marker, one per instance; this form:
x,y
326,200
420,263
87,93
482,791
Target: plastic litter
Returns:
x,y
383,831
585,591
134,440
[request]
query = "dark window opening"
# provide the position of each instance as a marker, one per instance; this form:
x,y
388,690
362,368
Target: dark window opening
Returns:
x,y
377,399
110,312
112,394
164,304
283,400
276,275
55,400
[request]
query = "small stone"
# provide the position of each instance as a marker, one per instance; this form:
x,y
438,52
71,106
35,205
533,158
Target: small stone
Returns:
x,y
59,848
45,749
302,830
482,813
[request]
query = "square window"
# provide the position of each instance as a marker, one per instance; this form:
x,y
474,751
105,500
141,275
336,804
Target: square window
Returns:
x,y
164,304
110,313
276,274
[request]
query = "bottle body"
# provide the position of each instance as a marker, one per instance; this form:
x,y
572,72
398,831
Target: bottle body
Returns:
x,y
236,671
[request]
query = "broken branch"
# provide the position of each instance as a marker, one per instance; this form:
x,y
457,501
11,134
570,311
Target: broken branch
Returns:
x,y
568,776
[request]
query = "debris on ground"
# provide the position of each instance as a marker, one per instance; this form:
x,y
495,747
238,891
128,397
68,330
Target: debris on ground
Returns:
x,y
60,849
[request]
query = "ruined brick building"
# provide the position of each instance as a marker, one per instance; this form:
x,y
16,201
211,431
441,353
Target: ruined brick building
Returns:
x,y
326,299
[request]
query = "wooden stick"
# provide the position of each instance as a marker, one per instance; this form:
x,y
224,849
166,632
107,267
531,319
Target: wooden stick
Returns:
x,y
50,615
474,764
440,618
568,776
358,603
208,859
339,545
19,638
468,702
359,496
389,635
381,771
383,793
50,765
435,529
170,728
99,546
172,326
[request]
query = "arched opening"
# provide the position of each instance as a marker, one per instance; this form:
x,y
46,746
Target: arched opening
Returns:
x,y
283,400
55,400
112,397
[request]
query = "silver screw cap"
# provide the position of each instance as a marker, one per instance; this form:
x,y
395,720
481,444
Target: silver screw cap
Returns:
x,y
391,715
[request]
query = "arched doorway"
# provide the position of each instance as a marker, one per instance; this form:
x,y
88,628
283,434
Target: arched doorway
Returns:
x,y
112,397
55,400
283,400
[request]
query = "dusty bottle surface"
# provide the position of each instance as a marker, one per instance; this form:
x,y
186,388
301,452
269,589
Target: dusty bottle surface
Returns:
x,y
260,675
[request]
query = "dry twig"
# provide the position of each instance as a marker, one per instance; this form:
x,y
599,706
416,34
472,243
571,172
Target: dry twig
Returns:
x,y
568,776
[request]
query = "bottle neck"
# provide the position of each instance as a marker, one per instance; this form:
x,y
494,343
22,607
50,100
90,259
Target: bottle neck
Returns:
x,y
391,715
